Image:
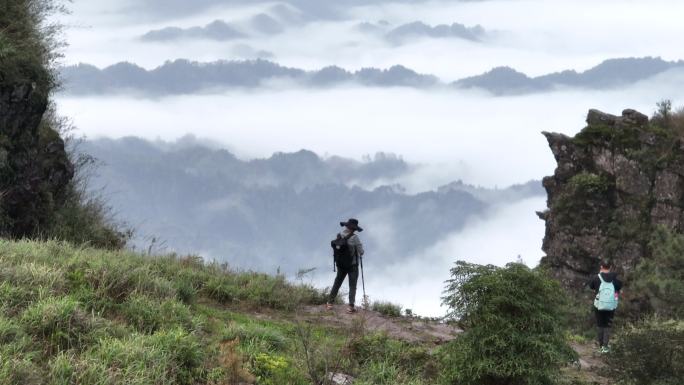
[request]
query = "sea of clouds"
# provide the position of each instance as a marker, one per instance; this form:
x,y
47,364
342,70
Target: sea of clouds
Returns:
x,y
453,134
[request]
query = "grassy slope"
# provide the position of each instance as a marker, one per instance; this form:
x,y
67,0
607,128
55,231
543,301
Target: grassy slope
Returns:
x,y
77,315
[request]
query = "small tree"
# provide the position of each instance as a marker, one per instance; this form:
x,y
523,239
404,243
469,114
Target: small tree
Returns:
x,y
512,320
659,280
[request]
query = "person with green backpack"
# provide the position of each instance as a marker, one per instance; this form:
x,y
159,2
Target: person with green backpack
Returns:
x,y
607,288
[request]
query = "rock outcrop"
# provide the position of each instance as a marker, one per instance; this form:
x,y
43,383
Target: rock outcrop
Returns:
x,y
616,180
34,166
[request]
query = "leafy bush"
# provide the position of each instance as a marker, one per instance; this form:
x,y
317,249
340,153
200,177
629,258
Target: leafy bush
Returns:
x,y
387,308
659,280
271,369
28,42
588,183
649,353
511,316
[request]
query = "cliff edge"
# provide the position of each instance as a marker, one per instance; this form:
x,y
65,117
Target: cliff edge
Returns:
x,y
616,180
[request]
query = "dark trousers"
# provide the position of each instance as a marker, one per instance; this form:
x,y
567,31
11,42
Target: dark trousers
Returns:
x,y
604,321
353,274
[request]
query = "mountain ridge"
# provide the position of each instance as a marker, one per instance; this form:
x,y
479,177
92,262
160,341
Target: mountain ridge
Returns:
x,y
183,76
251,209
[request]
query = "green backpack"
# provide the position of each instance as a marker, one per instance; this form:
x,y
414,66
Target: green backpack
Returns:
x,y
606,298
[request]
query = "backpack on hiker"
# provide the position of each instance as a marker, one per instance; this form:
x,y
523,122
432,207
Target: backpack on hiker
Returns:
x,y
607,297
342,252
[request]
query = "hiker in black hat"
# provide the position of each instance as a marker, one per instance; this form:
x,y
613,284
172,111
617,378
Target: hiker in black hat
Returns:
x,y
347,251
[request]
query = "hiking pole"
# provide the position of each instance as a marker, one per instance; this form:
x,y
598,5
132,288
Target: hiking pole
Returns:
x,y
363,285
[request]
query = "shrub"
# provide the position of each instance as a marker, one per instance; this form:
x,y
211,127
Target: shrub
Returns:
x,y
659,280
589,184
387,308
28,42
649,353
511,316
271,369
83,217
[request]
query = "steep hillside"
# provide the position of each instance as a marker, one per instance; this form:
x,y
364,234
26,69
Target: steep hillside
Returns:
x,y
34,167
616,181
73,315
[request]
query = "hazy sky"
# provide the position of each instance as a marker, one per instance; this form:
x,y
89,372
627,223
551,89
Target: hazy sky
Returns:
x,y
469,135
535,36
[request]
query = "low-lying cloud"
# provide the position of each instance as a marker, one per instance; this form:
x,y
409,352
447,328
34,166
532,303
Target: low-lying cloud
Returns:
x,y
504,235
464,135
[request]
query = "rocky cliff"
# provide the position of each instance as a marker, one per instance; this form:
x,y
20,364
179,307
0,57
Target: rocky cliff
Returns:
x,y
34,166
616,180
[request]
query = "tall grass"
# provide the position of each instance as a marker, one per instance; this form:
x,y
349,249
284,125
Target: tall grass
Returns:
x,y
80,315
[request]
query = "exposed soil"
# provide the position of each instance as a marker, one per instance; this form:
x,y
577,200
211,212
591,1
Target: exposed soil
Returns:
x,y
589,367
403,328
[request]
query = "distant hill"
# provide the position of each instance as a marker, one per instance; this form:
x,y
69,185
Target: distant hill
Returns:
x,y
279,211
216,30
419,29
610,73
185,77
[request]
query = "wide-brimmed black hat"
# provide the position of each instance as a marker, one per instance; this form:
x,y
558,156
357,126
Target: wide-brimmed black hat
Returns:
x,y
352,223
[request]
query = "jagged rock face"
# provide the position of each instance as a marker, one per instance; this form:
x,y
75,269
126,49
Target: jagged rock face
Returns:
x,y
34,166
615,181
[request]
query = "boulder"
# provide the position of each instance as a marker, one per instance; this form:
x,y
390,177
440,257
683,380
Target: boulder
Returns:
x,y
340,379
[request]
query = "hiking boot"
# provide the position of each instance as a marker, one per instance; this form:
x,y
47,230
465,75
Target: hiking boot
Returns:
x,y
351,309
328,306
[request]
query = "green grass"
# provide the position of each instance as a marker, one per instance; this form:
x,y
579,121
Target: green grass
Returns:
x,y
90,316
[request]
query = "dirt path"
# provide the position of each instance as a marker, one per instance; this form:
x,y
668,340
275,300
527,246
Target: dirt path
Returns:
x,y
589,367
407,329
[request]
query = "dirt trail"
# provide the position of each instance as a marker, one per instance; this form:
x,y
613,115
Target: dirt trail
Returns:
x,y
589,367
407,329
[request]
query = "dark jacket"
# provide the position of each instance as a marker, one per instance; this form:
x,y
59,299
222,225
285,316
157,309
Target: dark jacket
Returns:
x,y
595,282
